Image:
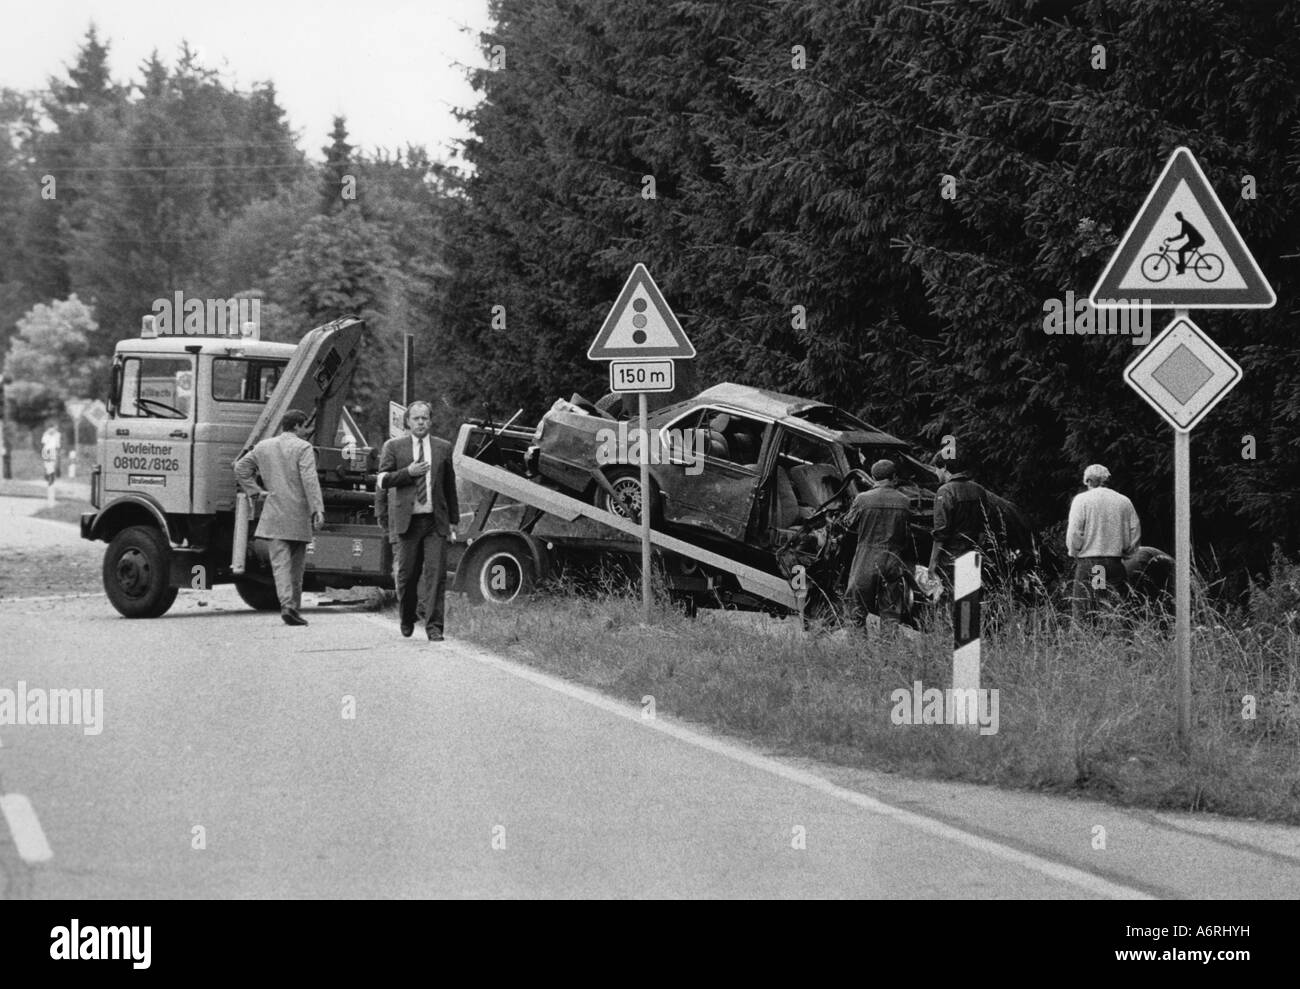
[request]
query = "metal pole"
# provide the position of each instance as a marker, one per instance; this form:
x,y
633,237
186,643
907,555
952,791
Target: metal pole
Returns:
x,y
408,369
645,511
1183,576
1183,583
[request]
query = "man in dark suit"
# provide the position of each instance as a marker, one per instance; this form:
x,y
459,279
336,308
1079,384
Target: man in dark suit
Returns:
x,y
416,473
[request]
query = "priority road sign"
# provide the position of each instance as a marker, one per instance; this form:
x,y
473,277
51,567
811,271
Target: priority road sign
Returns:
x,y
1183,374
1182,251
640,324
633,376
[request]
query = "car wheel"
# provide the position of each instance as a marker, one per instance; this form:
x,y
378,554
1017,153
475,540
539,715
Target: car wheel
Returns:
x,y
626,482
137,572
498,571
258,596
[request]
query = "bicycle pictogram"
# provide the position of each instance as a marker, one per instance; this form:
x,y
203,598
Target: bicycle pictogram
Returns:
x,y
1157,266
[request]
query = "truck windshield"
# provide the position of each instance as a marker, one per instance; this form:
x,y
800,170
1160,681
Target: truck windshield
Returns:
x,y
157,387
244,380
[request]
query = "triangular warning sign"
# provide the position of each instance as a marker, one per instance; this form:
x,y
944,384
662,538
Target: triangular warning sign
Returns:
x,y
1183,225
640,324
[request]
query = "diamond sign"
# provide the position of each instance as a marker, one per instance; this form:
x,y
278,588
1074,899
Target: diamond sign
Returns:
x,y
1183,374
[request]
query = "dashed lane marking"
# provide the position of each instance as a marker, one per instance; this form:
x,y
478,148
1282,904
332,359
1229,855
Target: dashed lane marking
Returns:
x,y
25,827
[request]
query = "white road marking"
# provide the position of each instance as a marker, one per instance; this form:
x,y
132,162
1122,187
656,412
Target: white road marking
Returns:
x,y
29,839
1035,863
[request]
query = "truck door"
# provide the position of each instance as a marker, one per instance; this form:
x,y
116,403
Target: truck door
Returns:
x,y
147,443
715,489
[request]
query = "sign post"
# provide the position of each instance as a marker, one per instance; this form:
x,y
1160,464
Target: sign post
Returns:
x,y
640,338
1182,251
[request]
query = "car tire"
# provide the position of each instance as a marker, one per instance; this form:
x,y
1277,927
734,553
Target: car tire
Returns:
x,y
137,572
258,596
498,571
628,479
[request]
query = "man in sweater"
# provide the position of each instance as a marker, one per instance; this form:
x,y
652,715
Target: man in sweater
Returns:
x,y
1103,529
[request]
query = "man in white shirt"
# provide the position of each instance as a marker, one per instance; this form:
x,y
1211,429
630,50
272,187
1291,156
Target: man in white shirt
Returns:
x,y
1103,529
415,472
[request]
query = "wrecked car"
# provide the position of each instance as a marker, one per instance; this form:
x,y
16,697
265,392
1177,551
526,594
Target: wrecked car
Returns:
x,y
758,476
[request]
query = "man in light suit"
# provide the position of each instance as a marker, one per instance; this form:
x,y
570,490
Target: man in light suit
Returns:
x,y
416,473
294,507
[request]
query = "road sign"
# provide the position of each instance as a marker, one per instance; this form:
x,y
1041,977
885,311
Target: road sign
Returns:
x,y
632,376
1183,225
640,324
396,420
96,413
1183,374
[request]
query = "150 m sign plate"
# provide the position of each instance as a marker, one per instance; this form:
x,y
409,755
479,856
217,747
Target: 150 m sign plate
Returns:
x,y
634,376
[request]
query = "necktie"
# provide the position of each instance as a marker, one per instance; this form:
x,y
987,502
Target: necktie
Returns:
x,y
421,482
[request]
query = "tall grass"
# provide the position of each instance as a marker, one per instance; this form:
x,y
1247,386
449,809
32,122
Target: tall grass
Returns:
x,y
1087,710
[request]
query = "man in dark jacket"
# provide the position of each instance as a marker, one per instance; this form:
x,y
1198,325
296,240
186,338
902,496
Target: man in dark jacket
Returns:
x,y
961,518
881,564
416,473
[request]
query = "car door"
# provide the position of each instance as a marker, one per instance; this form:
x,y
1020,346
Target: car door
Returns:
x,y
713,488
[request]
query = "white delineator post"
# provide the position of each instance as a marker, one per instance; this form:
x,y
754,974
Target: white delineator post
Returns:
x,y
966,622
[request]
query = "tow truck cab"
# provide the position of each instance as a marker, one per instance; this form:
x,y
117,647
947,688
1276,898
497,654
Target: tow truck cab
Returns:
x,y
181,411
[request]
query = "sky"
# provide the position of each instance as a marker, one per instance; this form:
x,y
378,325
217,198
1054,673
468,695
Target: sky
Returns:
x,y
389,66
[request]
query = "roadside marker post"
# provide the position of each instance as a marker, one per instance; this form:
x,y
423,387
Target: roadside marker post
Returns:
x,y
966,591
639,337
1182,373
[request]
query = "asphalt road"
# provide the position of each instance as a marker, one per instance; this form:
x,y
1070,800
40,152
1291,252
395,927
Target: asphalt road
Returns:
x,y
462,774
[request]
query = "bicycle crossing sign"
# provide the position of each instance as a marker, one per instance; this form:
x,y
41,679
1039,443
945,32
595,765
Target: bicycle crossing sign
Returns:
x,y
1182,251
1182,374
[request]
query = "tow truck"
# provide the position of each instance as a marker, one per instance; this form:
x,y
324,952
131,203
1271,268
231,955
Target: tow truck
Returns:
x,y
182,409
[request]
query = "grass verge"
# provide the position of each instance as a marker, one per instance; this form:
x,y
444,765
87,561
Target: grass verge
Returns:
x,y
1081,711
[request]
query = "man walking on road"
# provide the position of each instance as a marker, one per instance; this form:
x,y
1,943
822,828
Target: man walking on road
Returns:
x,y
415,470
881,564
1102,530
294,506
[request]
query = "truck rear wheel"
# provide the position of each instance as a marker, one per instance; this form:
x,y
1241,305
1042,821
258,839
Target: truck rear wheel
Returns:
x,y
137,572
258,596
498,571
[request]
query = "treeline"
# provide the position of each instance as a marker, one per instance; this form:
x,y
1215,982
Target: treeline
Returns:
x,y
118,194
870,202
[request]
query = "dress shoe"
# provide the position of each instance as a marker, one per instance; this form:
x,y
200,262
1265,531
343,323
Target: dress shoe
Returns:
x,y
290,616
407,630
435,635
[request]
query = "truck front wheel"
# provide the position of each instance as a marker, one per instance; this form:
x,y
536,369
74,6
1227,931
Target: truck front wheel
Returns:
x,y
137,572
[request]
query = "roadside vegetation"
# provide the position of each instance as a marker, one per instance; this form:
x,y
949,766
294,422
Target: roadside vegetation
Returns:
x,y
1090,712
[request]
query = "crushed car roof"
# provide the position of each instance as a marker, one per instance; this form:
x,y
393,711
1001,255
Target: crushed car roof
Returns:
x,y
785,408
